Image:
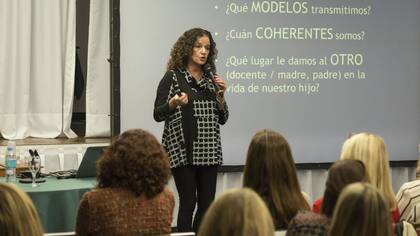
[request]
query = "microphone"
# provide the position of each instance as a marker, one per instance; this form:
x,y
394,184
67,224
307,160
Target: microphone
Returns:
x,y
209,73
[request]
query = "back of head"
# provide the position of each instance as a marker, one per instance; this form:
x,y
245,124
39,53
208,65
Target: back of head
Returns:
x,y
341,174
18,215
371,150
361,211
270,171
238,212
135,161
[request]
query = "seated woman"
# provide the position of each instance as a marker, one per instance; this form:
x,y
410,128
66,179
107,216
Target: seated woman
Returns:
x,y
361,210
131,197
270,171
371,150
409,202
18,215
237,212
340,174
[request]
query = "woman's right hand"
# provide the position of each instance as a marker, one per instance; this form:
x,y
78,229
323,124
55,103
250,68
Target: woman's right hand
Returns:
x,y
178,100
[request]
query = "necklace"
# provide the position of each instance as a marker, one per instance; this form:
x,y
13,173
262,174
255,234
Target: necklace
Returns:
x,y
197,75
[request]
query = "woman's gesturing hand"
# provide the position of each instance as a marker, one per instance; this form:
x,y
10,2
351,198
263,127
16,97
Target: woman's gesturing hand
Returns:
x,y
178,100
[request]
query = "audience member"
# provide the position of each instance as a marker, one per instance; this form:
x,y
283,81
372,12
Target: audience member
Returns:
x,y
418,169
361,210
271,172
18,215
307,223
131,197
371,150
340,174
237,212
408,198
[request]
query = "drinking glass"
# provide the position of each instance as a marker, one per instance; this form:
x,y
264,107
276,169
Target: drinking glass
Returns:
x,y
25,158
34,166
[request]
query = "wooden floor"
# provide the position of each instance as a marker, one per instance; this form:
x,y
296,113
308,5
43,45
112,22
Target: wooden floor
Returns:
x,y
55,141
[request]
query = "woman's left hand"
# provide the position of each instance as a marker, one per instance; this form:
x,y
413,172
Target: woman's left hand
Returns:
x,y
221,83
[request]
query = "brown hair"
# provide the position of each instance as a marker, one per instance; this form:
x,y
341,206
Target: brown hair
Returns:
x,y
361,210
271,172
238,212
136,161
341,174
183,48
18,215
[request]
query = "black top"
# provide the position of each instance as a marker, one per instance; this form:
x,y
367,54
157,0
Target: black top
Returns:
x,y
191,134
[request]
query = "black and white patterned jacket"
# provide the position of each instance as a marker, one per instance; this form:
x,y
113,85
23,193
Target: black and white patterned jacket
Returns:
x,y
192,133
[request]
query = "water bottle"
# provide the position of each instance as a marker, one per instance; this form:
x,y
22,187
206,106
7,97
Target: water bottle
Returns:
x,y
10,162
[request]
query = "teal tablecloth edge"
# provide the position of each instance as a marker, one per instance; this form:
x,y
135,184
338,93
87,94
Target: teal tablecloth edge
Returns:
x,y
57,201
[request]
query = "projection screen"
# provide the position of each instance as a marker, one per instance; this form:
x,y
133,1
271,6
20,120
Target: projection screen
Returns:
x,y
315,71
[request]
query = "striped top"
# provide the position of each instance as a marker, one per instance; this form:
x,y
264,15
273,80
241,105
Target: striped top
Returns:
x,y
408,198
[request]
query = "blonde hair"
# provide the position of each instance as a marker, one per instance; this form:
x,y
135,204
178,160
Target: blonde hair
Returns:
x,y
361,211
237,212
270,171
418,169
371,150
18,215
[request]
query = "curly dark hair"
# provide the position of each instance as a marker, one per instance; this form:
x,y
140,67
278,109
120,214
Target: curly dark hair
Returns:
x,y
183,48
136,161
